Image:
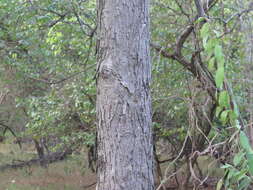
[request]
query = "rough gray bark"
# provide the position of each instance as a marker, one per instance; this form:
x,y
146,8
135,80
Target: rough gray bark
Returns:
x,y
247,29
247,62
125,153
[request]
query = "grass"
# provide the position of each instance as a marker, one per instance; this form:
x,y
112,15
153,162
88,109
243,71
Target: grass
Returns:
x,y
70,174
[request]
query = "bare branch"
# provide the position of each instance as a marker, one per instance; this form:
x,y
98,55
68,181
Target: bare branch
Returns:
x,y
173,56
6,127
200,9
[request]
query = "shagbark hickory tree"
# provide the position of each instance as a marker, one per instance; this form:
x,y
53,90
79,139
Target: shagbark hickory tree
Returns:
x,y
125,153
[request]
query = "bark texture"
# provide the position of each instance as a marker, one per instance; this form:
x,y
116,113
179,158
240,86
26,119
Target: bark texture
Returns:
x,y
125,151
247,30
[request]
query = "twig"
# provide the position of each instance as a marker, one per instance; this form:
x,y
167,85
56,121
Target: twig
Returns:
x,y
88,186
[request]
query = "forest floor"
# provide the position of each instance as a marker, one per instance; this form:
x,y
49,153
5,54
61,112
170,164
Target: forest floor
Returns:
x,y
70,174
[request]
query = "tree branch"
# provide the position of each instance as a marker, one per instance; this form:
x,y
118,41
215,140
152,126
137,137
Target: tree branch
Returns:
x,y
6,127
200,9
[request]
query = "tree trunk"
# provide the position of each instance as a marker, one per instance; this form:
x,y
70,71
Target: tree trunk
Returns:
x,y
40,151
125,150
248,74
246,29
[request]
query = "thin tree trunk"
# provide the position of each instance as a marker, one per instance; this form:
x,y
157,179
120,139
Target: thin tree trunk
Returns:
x,y
249,74
249,71
40,151
125,150
247,30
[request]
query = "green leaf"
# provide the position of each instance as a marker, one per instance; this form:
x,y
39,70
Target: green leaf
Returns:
x,y
224,116
224,99
238,158
205,41
244,141
219,184
226,166
241,174
250,162
244,183
218,52
210,46
211,64
232,117
236,109
232,173
219,55
205,30
219,77
200,19
218,111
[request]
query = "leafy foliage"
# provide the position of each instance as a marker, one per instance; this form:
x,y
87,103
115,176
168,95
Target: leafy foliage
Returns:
x,y
201,79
